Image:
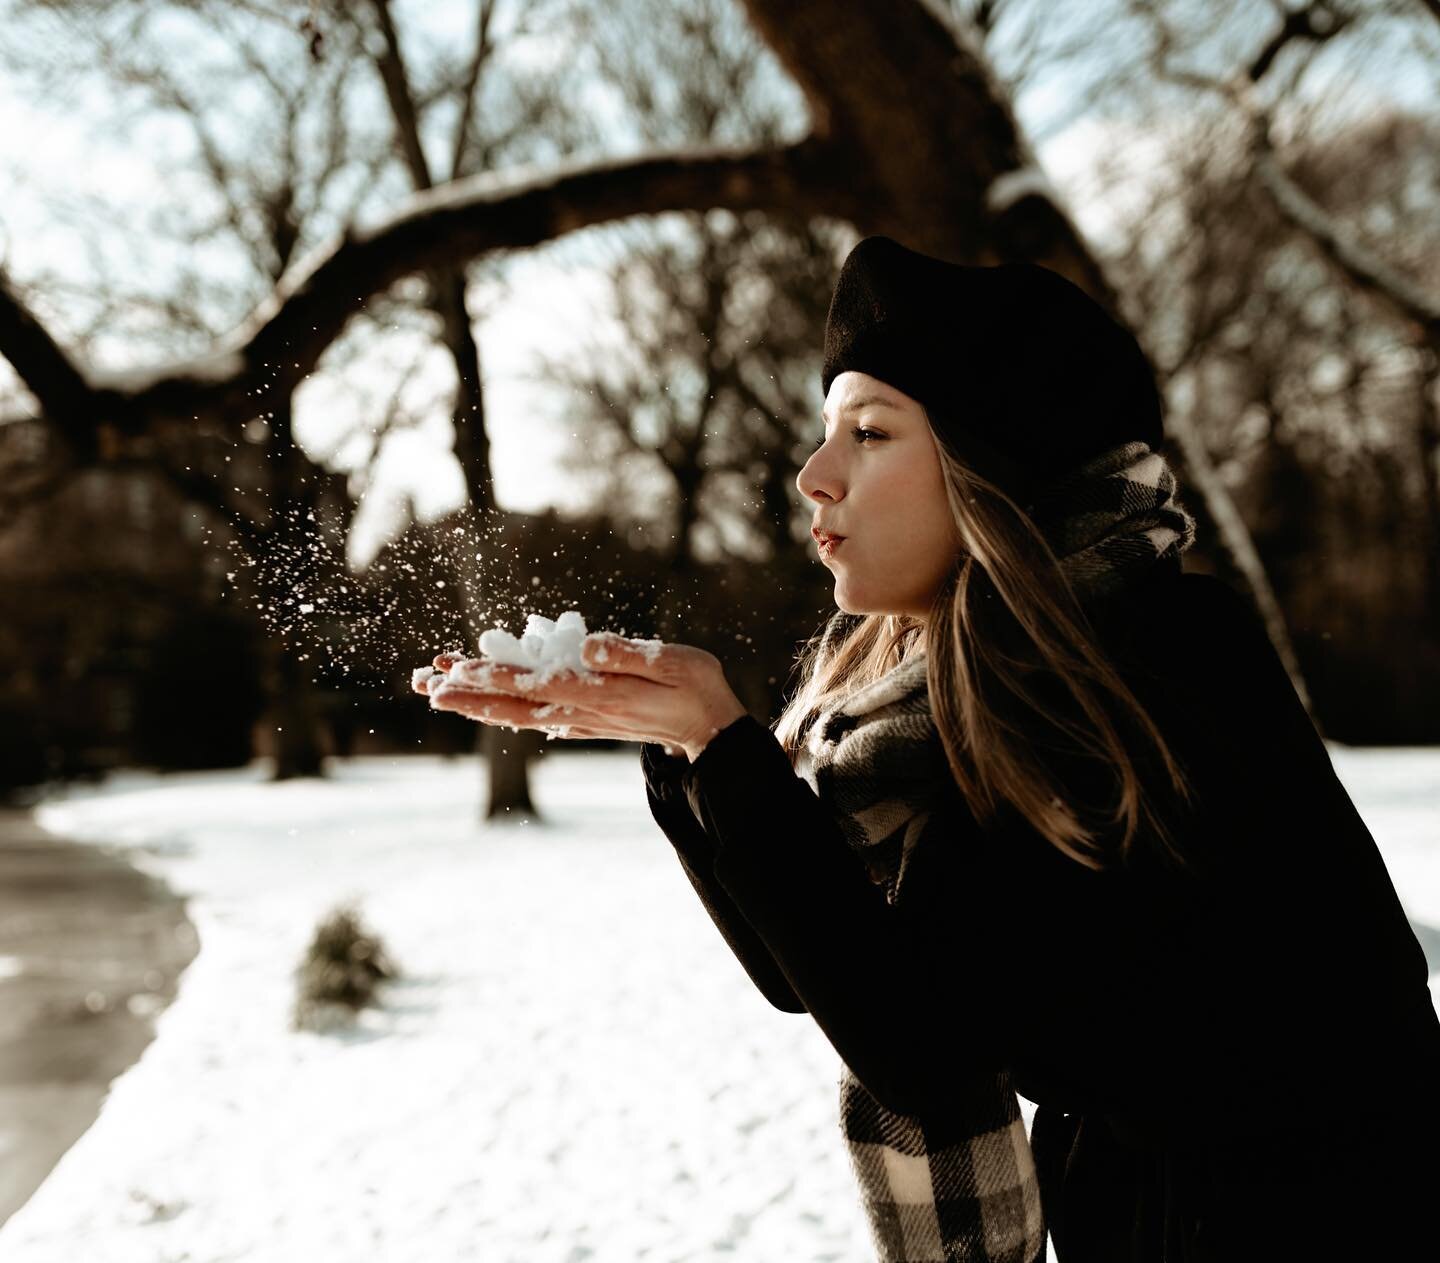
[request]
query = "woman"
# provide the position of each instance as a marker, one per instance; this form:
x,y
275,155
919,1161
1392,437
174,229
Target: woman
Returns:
x,y
1061,823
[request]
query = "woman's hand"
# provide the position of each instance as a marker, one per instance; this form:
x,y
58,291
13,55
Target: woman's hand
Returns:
x,y
676,696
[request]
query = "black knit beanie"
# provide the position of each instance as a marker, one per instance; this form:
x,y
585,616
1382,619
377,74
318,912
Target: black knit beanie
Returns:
x,y
1023,374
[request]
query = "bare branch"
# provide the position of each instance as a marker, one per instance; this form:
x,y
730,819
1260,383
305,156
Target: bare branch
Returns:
x,y
1364,268
391,64
266,358
201,489
1316,22
68,398
484,13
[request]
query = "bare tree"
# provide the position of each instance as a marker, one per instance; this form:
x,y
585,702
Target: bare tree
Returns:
x,y
1280,169
710,387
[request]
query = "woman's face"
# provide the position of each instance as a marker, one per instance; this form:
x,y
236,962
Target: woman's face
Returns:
x,y
875,480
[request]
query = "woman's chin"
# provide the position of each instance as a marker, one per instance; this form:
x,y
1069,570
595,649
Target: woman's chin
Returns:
x,y
851,600
847,600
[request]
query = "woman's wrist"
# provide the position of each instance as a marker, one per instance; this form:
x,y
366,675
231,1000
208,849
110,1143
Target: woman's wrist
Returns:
x,y
719,720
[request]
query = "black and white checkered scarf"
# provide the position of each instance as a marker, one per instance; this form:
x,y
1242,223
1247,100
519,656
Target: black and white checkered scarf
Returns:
x,y
964,1190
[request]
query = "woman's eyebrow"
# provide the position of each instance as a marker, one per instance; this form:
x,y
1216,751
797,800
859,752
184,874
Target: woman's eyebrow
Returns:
x,y
865,401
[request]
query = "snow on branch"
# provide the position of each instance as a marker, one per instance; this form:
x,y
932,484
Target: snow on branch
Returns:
x,y
267,356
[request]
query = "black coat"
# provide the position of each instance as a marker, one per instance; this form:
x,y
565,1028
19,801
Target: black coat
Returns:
x,y
1222,1065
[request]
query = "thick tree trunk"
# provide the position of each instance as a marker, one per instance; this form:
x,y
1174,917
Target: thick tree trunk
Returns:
x,y
1429,445
1238,544
507,763
295,703
472,439
299,743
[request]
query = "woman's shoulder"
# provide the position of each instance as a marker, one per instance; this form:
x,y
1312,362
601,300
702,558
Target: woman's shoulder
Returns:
x,y
1197,656
1186,626
1170,593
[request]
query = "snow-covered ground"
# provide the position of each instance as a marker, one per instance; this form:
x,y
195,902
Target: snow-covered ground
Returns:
x,y
574,1067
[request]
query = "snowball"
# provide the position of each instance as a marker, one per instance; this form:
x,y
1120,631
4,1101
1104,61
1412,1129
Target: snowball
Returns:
x,y
500,646
545,649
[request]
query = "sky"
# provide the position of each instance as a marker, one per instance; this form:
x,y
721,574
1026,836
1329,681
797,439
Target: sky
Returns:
x,y
51,152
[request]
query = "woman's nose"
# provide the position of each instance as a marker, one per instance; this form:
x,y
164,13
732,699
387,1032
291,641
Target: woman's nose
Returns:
x,y
816,482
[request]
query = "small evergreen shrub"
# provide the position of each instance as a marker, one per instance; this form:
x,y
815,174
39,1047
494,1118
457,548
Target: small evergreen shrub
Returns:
x,y
339,972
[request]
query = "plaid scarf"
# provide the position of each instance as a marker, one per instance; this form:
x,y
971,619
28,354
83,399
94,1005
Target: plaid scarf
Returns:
x,y
965,1190
1113,518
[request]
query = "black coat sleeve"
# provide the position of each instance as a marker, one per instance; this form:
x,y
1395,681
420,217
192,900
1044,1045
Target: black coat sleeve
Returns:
x,y
909,995
672,812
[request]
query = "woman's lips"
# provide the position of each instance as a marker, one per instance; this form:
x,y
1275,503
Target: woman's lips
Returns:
x,y
828,544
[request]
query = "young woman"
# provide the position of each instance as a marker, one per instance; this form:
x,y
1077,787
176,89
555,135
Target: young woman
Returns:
x,y
1045,814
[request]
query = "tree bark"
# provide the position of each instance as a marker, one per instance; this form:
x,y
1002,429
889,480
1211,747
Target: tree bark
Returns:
x,y
1429,444
507,761
299,744
472,438
299,740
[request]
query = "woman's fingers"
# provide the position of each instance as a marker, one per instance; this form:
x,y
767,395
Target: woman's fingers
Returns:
x,y
599,691
606,651
517,712
500,708
422,679
631,690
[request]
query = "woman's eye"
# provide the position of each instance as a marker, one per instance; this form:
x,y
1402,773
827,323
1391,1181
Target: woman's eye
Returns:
x,y
862,435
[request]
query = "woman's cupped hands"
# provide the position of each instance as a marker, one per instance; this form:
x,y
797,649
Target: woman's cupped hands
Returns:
x,y
671,694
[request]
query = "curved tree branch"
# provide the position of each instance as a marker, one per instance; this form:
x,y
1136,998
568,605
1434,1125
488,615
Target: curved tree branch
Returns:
x,y
264,359
925,133
1365,270
37,357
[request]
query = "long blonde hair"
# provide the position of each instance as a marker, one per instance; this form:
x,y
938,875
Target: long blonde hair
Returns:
x,y
1011,653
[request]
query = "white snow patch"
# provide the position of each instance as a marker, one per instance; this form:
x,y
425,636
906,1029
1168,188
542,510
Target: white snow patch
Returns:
x,y
219,366
573,1067
1013,186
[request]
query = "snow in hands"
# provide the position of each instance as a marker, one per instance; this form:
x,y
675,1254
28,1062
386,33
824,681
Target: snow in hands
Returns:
x,y
546,648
